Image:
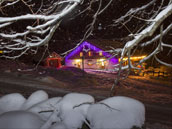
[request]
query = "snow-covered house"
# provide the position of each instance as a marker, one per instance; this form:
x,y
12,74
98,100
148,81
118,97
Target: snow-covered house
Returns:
x,y
89,56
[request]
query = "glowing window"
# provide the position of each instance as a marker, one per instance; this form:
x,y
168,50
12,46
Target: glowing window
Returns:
x,y
89,53
77,61
100,53
101,62
81,54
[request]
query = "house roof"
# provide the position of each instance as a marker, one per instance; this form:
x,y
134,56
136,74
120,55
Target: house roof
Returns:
x,y
86,46
54,55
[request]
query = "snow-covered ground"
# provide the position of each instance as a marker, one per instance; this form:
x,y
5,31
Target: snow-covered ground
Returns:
x,y
155,94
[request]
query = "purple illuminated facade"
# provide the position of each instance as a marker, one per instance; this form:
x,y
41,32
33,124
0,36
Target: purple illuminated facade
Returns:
x,y
94,57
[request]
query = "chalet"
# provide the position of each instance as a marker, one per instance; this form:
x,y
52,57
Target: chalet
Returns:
x,y
53,60
89,56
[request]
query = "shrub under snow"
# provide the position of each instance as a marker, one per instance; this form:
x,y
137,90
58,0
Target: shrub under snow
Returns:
x,y
70,112
20,120
73,109
35,98
43,109
11,102
116,113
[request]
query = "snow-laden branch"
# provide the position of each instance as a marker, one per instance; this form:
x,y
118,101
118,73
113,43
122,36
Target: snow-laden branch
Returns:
x,y
9,3
132,12
33,36
161,62
158,36
166,45
148,31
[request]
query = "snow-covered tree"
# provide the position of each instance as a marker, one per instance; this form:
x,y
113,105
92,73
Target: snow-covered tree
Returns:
x,y
39,29
36,27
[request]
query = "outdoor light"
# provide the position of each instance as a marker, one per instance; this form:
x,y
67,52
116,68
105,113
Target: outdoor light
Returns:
x,y
133,58
101,62
81,54
78,60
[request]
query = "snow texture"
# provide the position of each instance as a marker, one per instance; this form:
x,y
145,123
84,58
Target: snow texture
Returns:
x,y
35,98
69,112
20,120
58,125
73,109
116,112
11,102
44,106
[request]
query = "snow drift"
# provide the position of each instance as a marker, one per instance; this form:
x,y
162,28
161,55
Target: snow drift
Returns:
x,y
116,113
69,112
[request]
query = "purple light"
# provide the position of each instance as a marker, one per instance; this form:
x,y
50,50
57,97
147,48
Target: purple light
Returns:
x,y
92,47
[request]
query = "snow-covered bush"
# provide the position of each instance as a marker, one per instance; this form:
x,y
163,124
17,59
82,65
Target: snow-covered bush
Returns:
x,y
11,102
116,113
45,108
35,98
20,120
73,109
70,112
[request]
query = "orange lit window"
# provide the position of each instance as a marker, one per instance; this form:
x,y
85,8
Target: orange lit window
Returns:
x,y
100,53
81,54
89,53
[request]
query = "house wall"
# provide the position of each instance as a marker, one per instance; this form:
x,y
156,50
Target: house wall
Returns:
x,y
90,64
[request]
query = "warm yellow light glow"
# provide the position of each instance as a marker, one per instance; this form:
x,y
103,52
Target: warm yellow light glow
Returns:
x,y
100,53
101,62
78,60
134,58
81,54
90,64
89,53
1,52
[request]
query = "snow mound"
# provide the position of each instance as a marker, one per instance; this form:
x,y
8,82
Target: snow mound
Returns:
x,y
58,125
73,109
11,102
20,120
76,101
35,98
116,112
44,108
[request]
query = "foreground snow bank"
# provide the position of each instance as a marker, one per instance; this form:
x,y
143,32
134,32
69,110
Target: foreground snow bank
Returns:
x,y
20,120
116,112
70,112
11,102
73,109
35,98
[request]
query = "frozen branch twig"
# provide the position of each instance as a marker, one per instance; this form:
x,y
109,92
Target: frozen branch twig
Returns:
x,y
132,12
148,31
158,36
33,36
